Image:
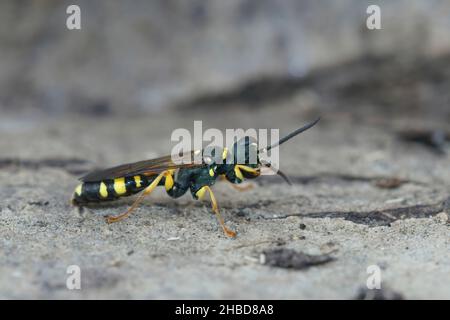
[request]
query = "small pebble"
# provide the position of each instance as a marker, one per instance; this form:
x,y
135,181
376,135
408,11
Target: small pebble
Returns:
x,y
442,217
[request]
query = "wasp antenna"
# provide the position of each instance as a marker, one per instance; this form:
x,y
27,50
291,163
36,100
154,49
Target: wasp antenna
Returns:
x,y
289,136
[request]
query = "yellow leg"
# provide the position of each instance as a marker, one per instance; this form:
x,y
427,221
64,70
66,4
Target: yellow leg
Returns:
x,y
141,197
230,233
254,171
235,186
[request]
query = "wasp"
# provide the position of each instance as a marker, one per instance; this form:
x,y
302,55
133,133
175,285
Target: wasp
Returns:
x,y
177,177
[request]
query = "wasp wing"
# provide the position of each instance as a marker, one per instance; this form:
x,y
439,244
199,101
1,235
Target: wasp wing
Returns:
x,y
146,167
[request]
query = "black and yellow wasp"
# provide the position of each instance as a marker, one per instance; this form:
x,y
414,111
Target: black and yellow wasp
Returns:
x,y
235,165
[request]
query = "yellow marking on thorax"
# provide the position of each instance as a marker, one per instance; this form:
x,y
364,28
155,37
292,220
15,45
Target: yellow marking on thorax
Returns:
x,y
211,172
78,189
138,181
119,186
103,190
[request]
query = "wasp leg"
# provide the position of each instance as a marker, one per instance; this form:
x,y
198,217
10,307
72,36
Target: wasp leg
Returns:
x,y
254,171
141,197
239,188
230,233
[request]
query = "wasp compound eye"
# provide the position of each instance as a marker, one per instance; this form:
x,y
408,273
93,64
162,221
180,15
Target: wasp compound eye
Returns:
x,y
245,151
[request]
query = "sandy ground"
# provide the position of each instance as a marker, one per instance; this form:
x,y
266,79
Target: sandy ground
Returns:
x,y
115,90
340,205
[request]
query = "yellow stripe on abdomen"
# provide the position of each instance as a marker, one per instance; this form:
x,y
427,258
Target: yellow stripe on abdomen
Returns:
x,y
138,181
119,186
103,191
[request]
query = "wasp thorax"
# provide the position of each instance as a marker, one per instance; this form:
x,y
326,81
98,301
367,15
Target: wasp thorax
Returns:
x,y
245,151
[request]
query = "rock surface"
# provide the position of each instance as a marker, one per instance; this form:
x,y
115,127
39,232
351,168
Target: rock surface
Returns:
x,y
175,249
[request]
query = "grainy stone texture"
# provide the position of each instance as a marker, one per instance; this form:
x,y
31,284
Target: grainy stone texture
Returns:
x,y
175,249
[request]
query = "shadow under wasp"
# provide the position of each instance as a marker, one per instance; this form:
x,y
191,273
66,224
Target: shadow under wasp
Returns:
x,y
179,177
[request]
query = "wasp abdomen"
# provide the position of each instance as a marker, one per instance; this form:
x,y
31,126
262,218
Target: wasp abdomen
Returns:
x,y
95,191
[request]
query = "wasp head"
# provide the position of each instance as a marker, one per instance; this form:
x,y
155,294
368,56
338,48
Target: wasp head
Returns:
x,y
245,151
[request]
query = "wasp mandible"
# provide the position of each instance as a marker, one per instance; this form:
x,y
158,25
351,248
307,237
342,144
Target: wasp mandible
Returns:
x,y
177,178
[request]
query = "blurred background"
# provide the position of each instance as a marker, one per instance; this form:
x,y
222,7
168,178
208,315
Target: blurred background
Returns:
x,y
141,57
